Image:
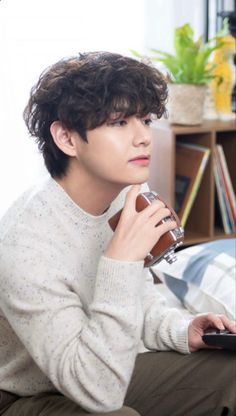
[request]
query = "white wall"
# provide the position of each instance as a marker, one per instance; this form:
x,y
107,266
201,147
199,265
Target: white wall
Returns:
x,y
33,35
36,33
162,16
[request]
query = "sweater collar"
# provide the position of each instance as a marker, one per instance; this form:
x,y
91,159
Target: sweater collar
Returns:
x,y
67,205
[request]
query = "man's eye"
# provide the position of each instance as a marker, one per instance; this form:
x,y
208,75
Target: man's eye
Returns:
x,y
118,123
147,121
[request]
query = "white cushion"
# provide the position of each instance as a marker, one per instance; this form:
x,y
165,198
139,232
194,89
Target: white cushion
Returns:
x,y
204,277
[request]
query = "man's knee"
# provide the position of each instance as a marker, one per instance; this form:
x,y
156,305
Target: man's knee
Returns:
x,y
127,411
124,411
56,405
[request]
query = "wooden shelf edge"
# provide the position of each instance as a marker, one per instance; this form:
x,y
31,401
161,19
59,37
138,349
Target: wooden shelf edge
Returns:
x,y
196,238
208,126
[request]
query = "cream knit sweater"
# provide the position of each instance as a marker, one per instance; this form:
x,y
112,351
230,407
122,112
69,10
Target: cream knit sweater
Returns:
x,y
72,319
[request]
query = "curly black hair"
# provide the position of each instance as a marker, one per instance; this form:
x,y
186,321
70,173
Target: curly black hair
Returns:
x,y
83,92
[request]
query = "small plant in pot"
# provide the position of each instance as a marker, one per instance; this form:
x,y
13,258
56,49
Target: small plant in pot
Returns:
x,y
189,73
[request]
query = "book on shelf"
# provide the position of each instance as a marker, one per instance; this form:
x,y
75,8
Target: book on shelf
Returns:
x,y
191,161
228,186
224,190
221,199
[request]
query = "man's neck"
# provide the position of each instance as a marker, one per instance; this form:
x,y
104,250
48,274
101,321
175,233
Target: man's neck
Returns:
x,y
93,197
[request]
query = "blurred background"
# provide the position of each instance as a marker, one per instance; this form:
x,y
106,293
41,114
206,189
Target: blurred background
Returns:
x,y
35,34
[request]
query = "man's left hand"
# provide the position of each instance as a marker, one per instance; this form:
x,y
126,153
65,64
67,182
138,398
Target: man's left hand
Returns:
x,y
200,324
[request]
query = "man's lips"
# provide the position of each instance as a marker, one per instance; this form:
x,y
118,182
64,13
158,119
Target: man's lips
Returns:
x,y
141,160
140,157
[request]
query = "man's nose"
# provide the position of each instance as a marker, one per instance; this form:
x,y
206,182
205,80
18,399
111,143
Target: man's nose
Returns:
x,y
142,134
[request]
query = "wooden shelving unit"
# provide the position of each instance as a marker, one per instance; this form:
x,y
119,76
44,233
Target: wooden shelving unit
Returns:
x,y
202,224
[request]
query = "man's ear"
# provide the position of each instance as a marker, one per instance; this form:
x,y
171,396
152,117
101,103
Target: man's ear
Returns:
x,y
63,138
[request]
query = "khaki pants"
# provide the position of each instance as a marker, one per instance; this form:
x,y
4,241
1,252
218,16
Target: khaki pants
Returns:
x,y
163,384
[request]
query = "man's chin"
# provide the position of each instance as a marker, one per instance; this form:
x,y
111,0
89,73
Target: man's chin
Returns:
x,y
134,181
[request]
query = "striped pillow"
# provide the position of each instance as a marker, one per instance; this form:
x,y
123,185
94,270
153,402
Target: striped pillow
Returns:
x,y
204,277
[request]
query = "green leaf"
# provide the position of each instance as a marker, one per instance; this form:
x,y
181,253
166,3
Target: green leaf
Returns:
x,y
136,53
189,63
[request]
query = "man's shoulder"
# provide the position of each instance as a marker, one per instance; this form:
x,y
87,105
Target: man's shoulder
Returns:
x,y
26,208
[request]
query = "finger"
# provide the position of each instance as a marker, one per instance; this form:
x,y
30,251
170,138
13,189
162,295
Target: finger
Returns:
x,y
164,227
228,323
214,321
130,200
153,209
132,194
160,215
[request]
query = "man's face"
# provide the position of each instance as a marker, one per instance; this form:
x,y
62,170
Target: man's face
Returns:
x,y
118,152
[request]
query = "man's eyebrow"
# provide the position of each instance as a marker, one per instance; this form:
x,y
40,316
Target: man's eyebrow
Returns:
x,y
116,115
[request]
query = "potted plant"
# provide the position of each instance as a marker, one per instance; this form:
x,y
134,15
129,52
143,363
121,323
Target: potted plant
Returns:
x,y
189,72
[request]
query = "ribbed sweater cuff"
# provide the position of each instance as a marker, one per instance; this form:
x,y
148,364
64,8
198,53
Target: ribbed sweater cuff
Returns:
x,y
181,337
119,281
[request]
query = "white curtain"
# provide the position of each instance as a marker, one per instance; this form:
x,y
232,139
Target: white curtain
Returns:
x,y
36,33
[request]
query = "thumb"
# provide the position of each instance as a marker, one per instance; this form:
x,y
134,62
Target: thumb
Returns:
x,y
130,200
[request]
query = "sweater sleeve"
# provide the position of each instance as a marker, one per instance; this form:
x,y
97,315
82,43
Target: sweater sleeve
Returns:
x,y
88,355
164,328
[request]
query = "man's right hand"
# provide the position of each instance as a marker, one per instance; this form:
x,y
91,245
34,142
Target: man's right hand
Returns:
x,y
137,232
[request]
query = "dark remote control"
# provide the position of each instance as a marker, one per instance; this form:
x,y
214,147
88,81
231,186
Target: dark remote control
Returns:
x,y
223,339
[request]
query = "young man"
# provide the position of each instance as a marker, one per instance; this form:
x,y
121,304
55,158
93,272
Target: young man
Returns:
x,y
76,301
